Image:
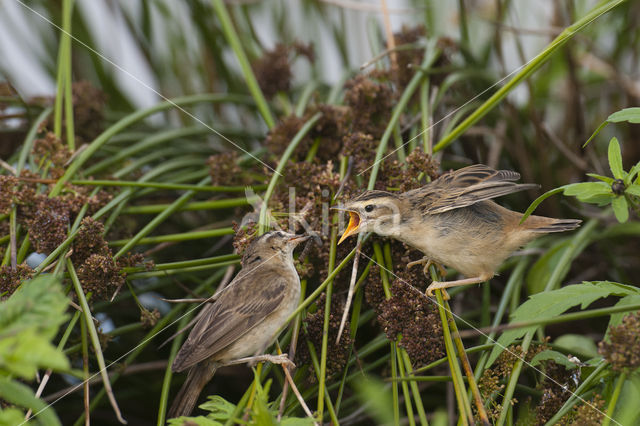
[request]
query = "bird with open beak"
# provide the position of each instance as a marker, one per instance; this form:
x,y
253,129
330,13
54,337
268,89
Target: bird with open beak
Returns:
x,y
454,221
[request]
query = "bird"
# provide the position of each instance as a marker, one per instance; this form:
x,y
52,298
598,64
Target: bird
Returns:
x,y
454,221
244,318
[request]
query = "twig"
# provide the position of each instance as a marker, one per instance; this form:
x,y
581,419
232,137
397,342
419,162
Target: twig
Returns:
x,y
352,283
9,167
391,40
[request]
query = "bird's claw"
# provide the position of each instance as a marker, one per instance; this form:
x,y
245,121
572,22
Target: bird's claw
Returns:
x,y
427,263
435,286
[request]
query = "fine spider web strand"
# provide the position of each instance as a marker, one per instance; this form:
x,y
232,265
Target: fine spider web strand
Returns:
x,y
143,84
137,346
521,358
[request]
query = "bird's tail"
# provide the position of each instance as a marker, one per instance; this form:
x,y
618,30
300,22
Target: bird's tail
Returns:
x,y
184,402
547,224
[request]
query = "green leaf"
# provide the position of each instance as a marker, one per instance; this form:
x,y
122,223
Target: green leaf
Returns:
x,y
375,399
22,396
632,115
621,209
11,417
23,354
557,357
550,304
218,407
600,199
199,421
585,190
627,412
632,173
577,344
633,190
540,272
615,159
600,127
39,302
261,415
296,421
607,179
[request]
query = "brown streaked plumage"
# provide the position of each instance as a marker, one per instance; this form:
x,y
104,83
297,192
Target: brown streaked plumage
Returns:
x,y
454,222
244,319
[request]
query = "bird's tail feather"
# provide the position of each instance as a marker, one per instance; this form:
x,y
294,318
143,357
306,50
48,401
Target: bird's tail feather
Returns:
x,y
557,225
186,399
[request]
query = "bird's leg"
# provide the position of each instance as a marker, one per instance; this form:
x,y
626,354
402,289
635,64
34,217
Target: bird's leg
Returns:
x,y
446,284
427,263
252,360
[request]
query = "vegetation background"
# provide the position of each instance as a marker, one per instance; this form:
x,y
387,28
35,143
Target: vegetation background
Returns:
x,y
130,132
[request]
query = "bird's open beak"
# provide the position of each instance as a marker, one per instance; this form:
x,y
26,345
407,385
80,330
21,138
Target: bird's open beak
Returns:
x,y
352,227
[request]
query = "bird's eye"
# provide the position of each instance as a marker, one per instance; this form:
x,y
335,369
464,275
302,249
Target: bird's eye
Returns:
x,y
368,208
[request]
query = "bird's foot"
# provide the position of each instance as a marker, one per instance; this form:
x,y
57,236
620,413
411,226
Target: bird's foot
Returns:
x,y
438,285
282,359
427,263
467,281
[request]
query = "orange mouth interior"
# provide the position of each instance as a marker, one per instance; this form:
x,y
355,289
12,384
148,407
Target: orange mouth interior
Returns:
x,y
352,227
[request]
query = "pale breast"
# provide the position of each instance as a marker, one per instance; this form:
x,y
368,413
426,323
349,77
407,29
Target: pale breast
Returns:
x,y
256,340
470,239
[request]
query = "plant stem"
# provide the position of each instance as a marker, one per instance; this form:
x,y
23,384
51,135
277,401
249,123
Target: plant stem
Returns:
x,y
614,399
233,39
458,382
95,340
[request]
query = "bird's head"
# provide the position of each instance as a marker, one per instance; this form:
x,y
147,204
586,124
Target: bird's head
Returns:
x,y
372,211
274,244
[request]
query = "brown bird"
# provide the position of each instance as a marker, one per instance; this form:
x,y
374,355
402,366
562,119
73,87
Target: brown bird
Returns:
x,y
453,221
244,318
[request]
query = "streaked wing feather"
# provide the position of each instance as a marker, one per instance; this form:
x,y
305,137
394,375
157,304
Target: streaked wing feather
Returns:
x,y
237,311
467,186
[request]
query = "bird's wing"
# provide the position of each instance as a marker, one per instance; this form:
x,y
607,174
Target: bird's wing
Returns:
x,y
466,186
249,299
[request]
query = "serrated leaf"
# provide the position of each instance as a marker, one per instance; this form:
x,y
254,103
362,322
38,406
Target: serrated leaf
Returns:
x,y
39,302
577,343
550,304
23,354
218,407
621,209
22,396
615,159
555,356
631,115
